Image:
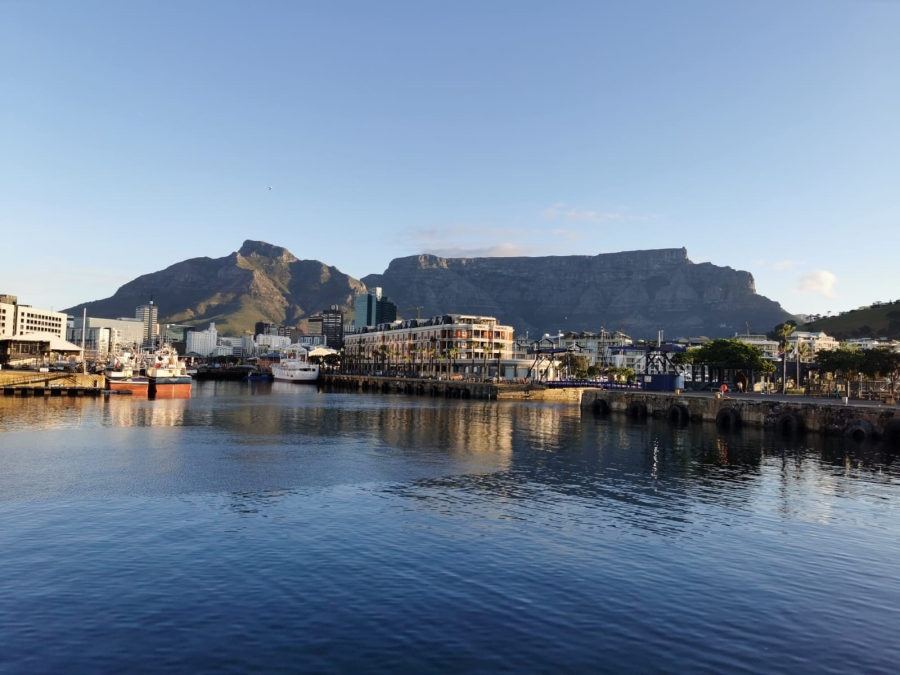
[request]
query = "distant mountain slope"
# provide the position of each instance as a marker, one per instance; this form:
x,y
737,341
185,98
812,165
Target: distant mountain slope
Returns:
x,y
641,291
880,320
260,282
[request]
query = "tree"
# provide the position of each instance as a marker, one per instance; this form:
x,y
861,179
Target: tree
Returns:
x,y
726,354
454,354
881,362
782,331
844,361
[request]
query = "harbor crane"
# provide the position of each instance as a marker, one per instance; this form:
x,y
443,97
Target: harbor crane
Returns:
x,y
418,310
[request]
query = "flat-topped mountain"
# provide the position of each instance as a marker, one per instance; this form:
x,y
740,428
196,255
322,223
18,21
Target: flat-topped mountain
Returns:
x,y
260,282
641,292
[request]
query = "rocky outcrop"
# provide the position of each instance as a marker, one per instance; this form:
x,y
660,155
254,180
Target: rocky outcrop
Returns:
x,y
260,282
640,292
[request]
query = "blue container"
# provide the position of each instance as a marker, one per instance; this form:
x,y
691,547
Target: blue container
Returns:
x,y
663,382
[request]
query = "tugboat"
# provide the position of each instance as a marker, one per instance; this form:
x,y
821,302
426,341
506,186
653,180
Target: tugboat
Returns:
x,y
168,375
123,375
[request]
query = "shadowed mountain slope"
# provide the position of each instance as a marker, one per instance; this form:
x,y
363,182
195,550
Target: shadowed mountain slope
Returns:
x,y
639,291
260,282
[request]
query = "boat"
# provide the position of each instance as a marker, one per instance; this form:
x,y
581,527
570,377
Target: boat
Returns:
x,y
122,374
295,366
167,374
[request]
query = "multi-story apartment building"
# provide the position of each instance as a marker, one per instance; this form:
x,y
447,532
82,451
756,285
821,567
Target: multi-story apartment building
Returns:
x,y
815,341
455,344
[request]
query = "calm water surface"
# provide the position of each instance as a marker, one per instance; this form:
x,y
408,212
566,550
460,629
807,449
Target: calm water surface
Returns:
x,y
272,528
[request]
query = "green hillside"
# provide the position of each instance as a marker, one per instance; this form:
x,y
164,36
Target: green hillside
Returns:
x,y
879,320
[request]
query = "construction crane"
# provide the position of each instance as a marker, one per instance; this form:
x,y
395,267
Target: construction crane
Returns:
x,y
418,312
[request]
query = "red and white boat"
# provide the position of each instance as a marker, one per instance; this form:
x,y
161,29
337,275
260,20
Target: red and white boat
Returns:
x,y
123,374
168,374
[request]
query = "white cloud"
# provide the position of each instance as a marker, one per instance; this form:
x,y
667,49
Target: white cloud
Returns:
x,y
818,281
504,250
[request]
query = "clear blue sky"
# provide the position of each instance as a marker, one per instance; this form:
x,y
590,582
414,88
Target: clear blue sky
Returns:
x,y
760,135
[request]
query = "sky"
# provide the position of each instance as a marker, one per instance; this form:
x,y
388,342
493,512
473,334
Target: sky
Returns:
x,y
762,136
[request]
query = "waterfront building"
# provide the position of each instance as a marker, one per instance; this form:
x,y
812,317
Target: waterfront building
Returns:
x,y
29,335
16,319
373,308
455,345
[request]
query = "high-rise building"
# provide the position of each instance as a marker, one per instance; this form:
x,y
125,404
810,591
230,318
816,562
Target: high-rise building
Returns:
x,y
373,308
333,327
148,315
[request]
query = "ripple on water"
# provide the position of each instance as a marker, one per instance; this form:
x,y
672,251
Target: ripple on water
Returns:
x,y
288,531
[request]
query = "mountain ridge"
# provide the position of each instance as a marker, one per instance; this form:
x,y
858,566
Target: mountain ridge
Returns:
x,y
639,291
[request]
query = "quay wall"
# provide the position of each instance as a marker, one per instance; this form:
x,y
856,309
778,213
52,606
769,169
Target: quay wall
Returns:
x,y
487,391
862,422
19,383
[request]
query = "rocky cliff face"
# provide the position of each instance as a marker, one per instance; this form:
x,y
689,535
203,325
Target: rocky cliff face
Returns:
x,y
260,282
640,291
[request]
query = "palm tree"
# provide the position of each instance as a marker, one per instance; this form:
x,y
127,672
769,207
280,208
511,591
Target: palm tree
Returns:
x,y
454,353
784,331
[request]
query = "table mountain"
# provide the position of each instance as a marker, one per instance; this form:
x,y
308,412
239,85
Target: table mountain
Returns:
x,y
641,292
260,282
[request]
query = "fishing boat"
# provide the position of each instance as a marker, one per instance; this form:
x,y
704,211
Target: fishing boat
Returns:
x,y
122,373
295,366
168,375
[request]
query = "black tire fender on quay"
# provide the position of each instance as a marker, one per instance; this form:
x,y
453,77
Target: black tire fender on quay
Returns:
x,y
636,410
728,419
790,424
861,431
600,407
678,415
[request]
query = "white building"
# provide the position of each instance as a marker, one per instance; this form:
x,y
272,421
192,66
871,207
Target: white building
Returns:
x,y
148,316
272,342
202,342
815,341
872,343
770,348
16,319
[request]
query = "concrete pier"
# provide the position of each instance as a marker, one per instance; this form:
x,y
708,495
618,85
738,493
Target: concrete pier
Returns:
x,y
859,420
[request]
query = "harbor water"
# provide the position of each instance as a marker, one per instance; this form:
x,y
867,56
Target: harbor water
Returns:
x,y
274,528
